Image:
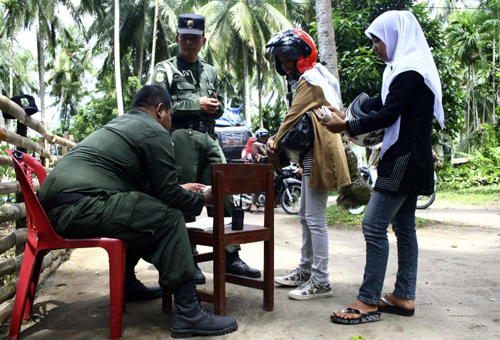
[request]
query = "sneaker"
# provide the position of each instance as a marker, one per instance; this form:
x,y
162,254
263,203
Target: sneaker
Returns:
x,y
293,279
311,290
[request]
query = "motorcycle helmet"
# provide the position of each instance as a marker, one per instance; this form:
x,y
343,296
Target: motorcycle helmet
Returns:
x,y
293,43
354,111
261,132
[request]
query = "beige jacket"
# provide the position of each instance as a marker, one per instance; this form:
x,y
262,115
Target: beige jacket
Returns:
x,y
329,168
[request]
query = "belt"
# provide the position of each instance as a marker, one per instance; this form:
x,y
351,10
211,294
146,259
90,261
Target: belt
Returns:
x,y
196,125
61,199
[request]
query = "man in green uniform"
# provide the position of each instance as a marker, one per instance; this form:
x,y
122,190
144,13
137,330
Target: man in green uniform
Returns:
x,y
193,85
121,182
446,150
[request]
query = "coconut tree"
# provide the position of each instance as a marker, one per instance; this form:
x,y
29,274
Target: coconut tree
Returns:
x,y
249,24
43,15
466,38
68,72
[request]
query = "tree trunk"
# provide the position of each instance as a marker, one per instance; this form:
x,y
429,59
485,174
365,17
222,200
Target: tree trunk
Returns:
x,y
494,59
11,71
41,60
118,83
326,36
153,48
248,114
359,192
260,85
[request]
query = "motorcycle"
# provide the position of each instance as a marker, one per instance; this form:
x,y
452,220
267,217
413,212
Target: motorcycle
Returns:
x,y
424,201
365,173
287,191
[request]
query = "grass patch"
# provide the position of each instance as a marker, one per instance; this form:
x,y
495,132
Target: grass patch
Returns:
x,y
337,215
486,195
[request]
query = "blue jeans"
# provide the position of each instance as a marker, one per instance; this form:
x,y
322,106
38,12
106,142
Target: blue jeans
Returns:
x,y
312,217
400,212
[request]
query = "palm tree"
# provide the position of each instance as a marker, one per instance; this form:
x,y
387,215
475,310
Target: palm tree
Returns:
x,y
42,13
248,24
119,96
68,73
466,38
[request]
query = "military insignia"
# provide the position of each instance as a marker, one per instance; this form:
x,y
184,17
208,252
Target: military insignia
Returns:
x,y
160,76
25,102
190,23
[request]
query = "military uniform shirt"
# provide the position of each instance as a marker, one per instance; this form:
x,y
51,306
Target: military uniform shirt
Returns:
x,y
189,82
141,155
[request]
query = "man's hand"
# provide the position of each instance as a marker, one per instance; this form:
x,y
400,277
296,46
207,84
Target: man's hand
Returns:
x,y
337,124
209,105
209,198
195,187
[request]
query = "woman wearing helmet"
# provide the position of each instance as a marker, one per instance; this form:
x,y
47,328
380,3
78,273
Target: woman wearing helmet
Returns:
x,y
410,96
259,155
325,166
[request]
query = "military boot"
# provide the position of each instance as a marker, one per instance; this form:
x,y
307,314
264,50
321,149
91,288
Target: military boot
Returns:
x,y
236,266
192,319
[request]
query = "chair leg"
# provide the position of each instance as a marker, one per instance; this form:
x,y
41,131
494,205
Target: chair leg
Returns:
x,y
220,281
116,282
35,276
166,300
268,276
21,293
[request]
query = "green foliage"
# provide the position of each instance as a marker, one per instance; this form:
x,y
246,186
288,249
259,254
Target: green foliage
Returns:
x,y
356,337
483,195
272,116
96,114
361,71
482,169
338,215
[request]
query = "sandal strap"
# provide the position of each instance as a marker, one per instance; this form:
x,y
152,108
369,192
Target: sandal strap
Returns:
x,y
353,311
387,302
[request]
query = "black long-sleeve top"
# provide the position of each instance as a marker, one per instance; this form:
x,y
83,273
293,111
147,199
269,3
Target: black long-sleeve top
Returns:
x,y
407,166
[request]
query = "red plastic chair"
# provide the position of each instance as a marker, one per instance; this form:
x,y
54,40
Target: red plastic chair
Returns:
x,y
42,238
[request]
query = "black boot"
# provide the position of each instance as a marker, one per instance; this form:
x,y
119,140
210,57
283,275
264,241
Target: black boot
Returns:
x,y
192,319
199,278
236,266
136,291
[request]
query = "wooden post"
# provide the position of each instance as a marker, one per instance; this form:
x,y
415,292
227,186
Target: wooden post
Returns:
x,y
65,148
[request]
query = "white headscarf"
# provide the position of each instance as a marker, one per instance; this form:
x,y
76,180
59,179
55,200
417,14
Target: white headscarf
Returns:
x,y
320,76
407,50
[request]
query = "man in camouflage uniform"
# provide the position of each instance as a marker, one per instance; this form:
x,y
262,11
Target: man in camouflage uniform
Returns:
x,y
193,85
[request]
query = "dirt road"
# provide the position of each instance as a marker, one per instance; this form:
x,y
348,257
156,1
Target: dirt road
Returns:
x,y
458,291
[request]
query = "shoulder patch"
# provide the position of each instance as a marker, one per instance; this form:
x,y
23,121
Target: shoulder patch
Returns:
x,y
160,77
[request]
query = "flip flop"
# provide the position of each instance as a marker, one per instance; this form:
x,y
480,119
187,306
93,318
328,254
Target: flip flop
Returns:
x,y
392,309
364,318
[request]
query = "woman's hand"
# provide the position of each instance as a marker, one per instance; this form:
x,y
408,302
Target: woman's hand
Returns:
x,y
270,145
336,111
337,124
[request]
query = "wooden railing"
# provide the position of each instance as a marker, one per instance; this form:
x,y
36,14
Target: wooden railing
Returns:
x,y
16,212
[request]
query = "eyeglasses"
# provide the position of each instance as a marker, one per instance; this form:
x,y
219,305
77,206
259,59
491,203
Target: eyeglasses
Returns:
x,y
193,38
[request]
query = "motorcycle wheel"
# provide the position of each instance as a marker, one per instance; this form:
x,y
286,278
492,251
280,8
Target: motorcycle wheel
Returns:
x,y
425,201
245,202
291,204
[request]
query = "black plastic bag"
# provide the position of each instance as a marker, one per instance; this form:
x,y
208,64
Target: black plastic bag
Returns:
x,y
300,137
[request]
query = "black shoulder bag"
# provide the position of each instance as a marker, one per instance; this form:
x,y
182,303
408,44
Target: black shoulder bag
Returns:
x,y
300,137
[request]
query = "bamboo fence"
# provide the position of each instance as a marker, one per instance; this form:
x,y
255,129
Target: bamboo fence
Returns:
x,y
16,212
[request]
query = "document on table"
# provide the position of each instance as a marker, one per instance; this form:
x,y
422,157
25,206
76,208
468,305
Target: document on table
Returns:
x,y
206,223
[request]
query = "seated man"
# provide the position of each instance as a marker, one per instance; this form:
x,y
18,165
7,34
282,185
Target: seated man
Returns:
x,y
98,189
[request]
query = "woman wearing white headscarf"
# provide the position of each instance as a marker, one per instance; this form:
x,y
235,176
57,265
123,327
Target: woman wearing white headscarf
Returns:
x,y
410,97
